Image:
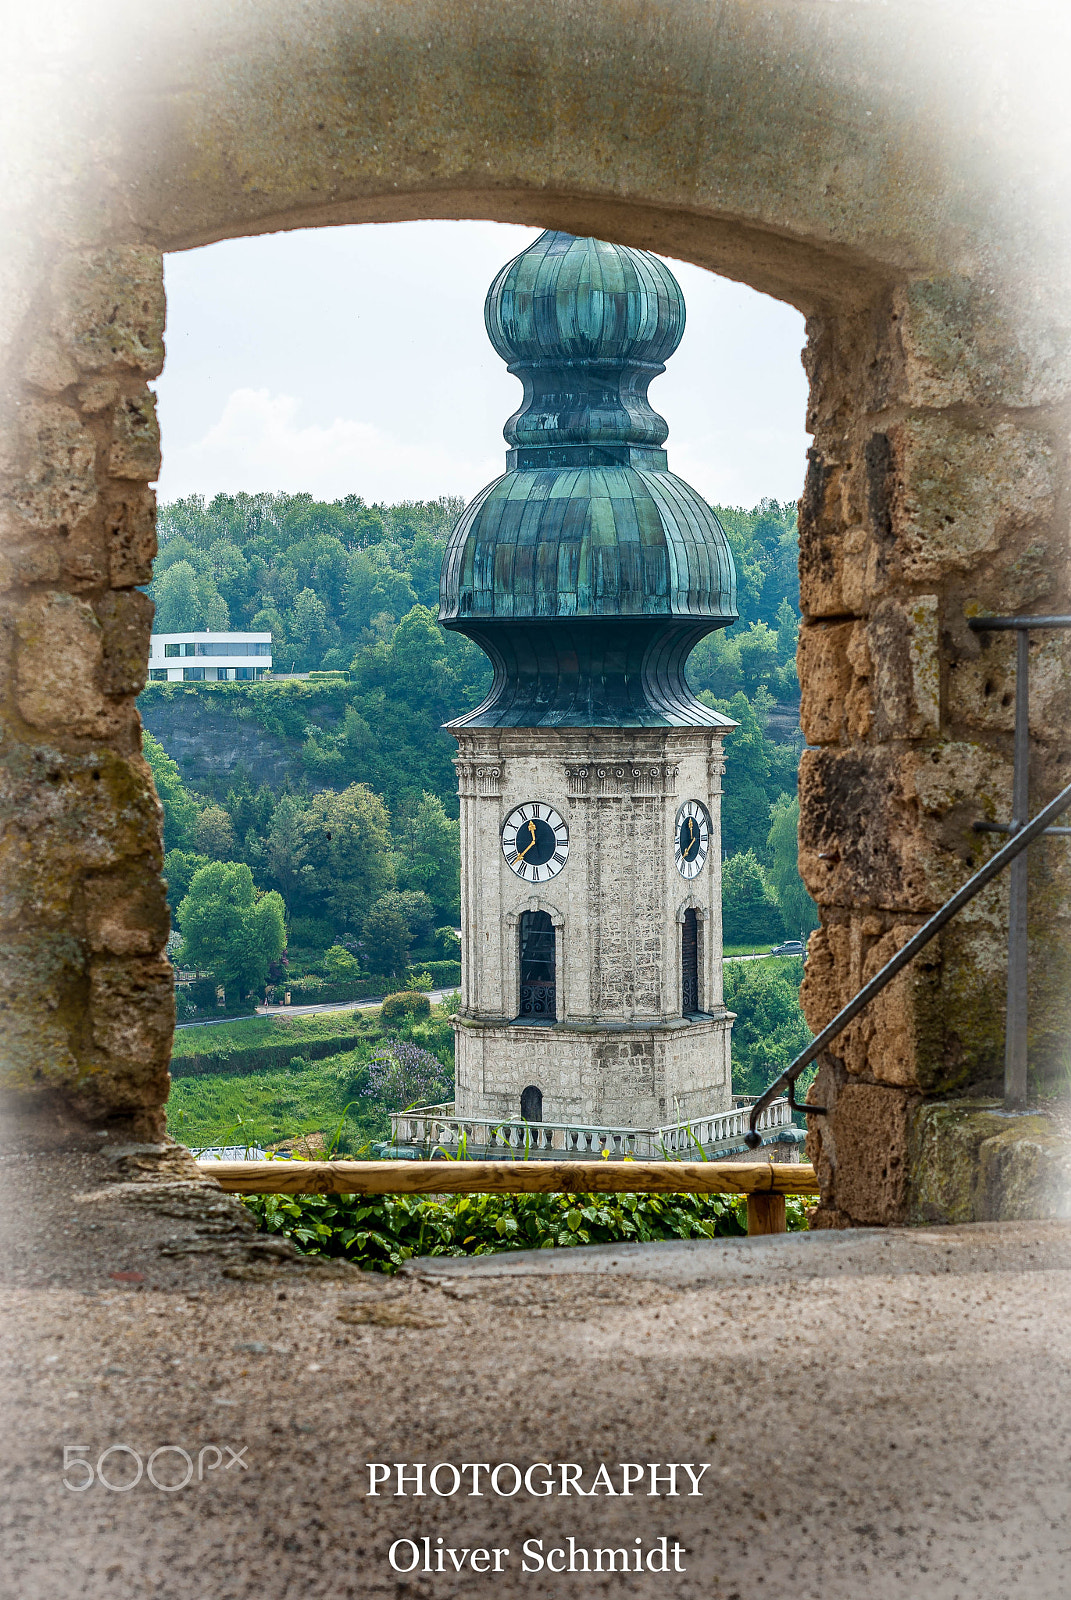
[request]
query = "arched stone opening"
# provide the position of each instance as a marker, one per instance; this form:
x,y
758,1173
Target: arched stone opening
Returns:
x,y
937,338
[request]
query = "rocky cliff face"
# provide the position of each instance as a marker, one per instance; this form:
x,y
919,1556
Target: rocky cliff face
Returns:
x,y
210,741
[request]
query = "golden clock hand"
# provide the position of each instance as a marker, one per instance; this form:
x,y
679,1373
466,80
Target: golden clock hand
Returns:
x,y
522,853
691,836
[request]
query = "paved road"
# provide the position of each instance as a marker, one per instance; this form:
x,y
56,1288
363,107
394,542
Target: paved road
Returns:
x,y
434,995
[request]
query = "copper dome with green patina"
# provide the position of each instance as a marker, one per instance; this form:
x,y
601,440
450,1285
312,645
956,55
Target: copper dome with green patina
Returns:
x,y
589,571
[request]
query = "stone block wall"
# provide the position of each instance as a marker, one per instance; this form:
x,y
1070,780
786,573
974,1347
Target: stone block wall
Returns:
x,y
936,492
87,1006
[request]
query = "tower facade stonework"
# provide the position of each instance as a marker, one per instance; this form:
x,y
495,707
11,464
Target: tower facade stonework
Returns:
x,y
620,1051
590,778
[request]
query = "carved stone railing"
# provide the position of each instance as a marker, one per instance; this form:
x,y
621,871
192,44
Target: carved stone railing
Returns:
x,y
435,1128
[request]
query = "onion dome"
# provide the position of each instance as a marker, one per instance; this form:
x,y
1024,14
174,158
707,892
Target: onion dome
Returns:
x,y
589,571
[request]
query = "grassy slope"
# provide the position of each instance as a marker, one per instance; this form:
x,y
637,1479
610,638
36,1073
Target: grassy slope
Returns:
x,y
268,1106
285,1102
252,1031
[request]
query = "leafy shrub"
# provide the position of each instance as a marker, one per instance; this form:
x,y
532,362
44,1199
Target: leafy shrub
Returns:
x,y
407,1003
449,945
340,965
421,980
306,988
381,1232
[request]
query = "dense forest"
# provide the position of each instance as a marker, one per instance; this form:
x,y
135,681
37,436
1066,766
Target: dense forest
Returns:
x,y
357,846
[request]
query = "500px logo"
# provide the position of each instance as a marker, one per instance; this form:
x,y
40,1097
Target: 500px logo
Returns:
x,y
168,1468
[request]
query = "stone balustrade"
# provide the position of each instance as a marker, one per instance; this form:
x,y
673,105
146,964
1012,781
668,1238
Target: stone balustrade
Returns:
x,y
719,1134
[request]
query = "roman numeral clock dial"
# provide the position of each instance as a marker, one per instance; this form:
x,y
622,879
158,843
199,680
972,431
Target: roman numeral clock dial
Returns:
x,y
535,841
691,842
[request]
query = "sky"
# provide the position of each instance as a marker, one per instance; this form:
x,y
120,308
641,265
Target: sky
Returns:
x,y
354,360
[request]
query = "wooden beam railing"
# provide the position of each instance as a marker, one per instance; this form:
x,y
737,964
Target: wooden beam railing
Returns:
x,y
764,1182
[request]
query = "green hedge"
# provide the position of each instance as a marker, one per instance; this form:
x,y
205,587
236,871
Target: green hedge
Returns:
x,y
447,974
381,1232
237,1059
444,974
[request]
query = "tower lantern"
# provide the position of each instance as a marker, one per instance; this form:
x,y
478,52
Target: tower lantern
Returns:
x,y
590,777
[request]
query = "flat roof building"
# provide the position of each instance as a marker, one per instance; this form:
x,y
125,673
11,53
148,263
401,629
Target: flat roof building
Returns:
x,y
209,657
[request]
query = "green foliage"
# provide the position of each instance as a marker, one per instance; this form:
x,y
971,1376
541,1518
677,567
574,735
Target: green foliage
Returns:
x,y
407,1003
344,860
180,809
758,771
214,834
387,937
340,965
428,857
770,1028
319,575
750,911
179,868
380,1233
798,911
228,928
759,651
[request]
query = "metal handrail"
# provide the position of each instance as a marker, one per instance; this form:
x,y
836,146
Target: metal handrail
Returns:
x,y
993,867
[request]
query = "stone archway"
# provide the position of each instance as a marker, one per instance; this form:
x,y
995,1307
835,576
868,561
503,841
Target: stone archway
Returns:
x,y
819,157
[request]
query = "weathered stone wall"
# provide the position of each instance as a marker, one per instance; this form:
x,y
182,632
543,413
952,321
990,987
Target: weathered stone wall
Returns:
x,y
893,171
939,496
87,1010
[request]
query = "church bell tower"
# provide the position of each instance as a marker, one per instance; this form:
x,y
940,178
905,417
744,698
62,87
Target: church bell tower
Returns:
x,y
590,778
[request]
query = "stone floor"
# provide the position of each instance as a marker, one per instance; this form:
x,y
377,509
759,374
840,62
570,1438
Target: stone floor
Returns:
x,y
884,1414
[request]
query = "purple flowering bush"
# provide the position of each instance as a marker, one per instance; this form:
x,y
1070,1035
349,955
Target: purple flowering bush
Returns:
x,y
401,1074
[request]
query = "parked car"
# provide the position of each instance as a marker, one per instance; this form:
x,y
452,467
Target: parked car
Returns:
x,y
789,947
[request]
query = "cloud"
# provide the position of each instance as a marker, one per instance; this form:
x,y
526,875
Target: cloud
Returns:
x,y
258,444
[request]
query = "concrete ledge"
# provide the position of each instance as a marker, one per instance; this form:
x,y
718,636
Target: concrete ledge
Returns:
x,y
972,1161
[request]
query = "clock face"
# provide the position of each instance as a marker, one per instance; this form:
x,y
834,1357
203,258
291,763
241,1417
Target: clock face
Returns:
x,y
535,841
691,841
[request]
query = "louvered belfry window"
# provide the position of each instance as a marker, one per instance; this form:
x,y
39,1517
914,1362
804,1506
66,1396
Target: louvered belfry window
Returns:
x,y
690,964
538,1001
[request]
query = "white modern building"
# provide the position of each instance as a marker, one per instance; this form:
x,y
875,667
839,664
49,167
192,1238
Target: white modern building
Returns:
x,y
209,657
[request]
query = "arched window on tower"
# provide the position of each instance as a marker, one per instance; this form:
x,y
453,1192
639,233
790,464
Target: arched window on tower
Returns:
x,y
690,964
538,1003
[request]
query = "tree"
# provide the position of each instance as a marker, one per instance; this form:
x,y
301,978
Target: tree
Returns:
x,y
282,848
386,938
798,911
308,628
345,854
217,617
431,859
215,834
770,1028
179,869
750,913
180,808
178,603
418,911
229,928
